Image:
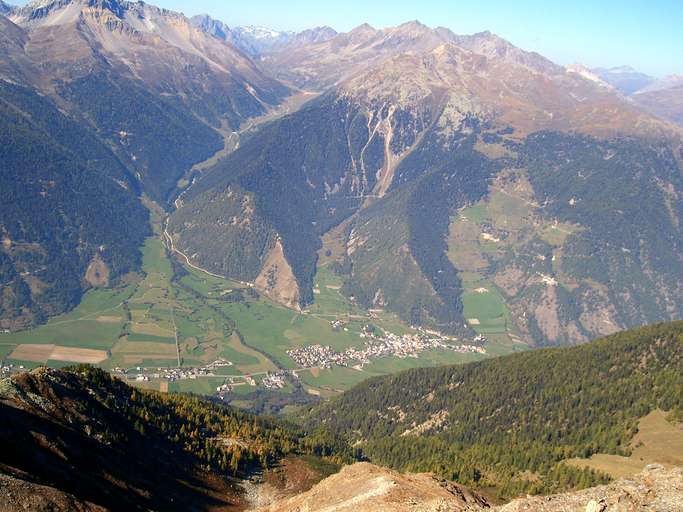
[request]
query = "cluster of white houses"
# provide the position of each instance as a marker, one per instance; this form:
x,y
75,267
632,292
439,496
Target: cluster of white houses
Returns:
x,y
140,373
376,346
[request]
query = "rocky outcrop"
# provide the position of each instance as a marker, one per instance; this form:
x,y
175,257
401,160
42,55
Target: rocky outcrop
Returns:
x,y
277,280
364,486
655,489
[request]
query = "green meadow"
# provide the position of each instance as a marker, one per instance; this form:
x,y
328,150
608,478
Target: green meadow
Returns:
x,y
138,323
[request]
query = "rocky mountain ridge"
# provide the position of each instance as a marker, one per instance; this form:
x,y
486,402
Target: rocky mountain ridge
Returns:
x,y
258,41
418,122
367,487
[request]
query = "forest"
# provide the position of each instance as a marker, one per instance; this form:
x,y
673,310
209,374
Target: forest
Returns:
x,y
88,434
54,176
509,422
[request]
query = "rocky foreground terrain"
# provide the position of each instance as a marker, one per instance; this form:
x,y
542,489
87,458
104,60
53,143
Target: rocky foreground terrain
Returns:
x,y
364,486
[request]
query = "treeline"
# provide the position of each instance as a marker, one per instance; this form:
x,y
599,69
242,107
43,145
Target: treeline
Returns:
x,y
510,422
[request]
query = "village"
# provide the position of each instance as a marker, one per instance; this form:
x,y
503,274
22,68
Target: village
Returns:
x,y
144,374
376,346
271,380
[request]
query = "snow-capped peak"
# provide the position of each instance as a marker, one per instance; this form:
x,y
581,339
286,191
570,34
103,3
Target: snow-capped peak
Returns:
x,y
258,32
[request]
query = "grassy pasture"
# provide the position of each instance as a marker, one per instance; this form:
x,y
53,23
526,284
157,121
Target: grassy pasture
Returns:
x,y
657,441
83,333
334,379
6,348
246,359
203,386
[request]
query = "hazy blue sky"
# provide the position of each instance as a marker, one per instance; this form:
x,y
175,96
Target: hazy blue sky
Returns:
x,y
645,34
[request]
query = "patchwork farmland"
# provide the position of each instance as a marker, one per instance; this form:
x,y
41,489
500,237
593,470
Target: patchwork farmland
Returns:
x,y
176,328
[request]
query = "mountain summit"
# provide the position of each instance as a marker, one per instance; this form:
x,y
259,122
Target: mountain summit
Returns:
x,y
413,125
257,41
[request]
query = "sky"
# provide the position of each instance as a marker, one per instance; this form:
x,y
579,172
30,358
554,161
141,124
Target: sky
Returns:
x,y
647,35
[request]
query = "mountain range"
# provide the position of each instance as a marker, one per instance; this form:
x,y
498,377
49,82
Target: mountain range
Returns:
x,y
259,41
411,126
239,205
462,163
127,89
661,97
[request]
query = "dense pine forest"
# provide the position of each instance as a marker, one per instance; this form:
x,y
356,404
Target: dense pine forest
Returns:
x,y
510,422
60,189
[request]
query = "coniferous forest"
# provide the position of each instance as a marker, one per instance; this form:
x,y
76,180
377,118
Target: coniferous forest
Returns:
x,y
510,422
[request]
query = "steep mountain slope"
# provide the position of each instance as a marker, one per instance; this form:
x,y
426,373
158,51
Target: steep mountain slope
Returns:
x,y
243,193
663,98
396,150
146,79
14,63
79,437
508,422
71,217
661,84
69,213
102,102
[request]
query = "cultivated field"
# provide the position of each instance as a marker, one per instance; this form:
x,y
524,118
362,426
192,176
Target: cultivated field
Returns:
x,y
169,316
44,353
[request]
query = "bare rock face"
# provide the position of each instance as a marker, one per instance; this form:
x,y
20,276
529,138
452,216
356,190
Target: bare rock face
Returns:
x,y
364,486
370,488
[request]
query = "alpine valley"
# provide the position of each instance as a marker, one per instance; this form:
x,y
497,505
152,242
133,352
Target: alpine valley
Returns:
x,y
276,216
395,269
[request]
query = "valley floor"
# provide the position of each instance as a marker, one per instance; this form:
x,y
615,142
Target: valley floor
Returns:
x,y
177,328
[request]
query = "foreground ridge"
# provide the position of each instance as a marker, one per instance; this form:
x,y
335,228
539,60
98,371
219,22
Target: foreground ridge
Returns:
x,y
364,486
656,488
